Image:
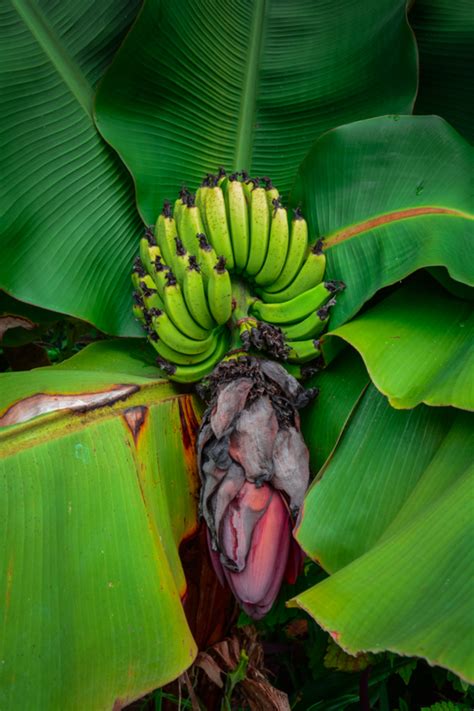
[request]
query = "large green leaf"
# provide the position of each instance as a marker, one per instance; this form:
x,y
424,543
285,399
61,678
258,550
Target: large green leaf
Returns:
x,y
340,387
96,494
390,195
69,224
418,346
445,35
248,84
391,519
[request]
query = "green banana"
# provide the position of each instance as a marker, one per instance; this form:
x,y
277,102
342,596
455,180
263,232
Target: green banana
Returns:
x,y
165,232
271,193
277,247
179,205
310,274
296,253
219,293
248,184
193,373
310,326
206,257
303,351
159,272
201,194
138,272
139,313
260,219
217,229
195,294
148,254
177,310
173,338
238,220
297,308
190,224
169,354
221,176
183,290
180,260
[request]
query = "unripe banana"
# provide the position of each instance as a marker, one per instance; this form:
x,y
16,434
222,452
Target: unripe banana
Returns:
x,y
138,272
165,232
195,295
221,176
277,247
206,257
173,356
238,220
310,274
248,185
296,253
217,228
180,260
303,351
271,193
177,310
154,254
150,295
297,308
159,272
219,293
260,219
179,205
172,336
201,194
190,224
184,295
138,313
193,373
309,327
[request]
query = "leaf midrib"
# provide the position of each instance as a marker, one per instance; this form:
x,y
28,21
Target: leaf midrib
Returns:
x,y
50,43
396,216
246,122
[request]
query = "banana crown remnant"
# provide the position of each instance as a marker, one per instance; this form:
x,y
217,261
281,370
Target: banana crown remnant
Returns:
x,y
228,271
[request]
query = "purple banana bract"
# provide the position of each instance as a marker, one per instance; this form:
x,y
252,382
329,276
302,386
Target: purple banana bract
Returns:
x,y
254,468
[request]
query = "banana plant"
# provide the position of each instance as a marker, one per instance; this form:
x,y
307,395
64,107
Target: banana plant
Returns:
x,y
353,253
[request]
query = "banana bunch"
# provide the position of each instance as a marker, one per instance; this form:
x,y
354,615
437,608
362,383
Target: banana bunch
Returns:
x,y
227,271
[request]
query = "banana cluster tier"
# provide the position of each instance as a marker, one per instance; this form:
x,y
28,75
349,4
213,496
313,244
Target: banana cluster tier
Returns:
x,y
227,271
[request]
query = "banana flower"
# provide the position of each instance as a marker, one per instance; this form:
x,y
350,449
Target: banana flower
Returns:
x,y
254,468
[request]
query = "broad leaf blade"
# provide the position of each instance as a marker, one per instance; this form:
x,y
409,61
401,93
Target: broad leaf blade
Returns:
x,y
248,85
390,518
445,37
390,195
94,505
418,346
323,421
69,228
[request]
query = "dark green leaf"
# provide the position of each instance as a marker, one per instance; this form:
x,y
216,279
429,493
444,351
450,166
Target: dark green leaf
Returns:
x,y
390,195
445,35
418,346
323,421
69,227
248,85
391,519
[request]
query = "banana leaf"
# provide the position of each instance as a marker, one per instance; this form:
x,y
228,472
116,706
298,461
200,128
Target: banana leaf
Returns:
x,y
248,85
445,37
340,387
68,213
97,490
389,195
418,346
390,517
